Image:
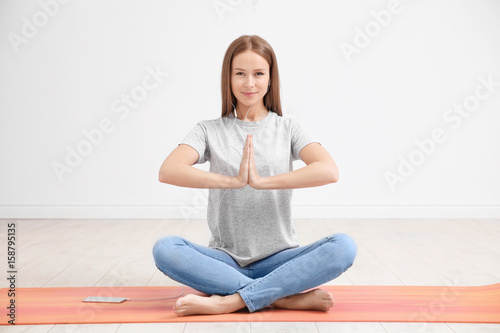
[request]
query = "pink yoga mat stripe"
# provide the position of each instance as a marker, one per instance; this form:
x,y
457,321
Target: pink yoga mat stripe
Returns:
x,y
477,304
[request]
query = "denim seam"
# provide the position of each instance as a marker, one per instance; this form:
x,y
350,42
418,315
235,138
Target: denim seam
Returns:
x,y
256,284
325,240
247,301
208,255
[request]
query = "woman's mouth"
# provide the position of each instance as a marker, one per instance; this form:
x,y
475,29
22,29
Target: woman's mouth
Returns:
x,y
249,94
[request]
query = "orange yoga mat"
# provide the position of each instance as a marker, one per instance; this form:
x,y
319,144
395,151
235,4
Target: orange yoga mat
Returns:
x,y
478,304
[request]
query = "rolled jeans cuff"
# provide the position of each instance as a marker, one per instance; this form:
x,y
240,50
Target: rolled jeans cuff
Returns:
x,y
247,301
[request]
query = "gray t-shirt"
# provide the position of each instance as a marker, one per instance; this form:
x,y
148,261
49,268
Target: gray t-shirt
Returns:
x,y
246,223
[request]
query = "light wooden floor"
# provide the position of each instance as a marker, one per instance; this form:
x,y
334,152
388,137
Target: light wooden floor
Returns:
x,y
67,253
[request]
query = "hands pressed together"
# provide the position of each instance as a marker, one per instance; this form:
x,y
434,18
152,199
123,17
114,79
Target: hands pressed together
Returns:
x,y
248,170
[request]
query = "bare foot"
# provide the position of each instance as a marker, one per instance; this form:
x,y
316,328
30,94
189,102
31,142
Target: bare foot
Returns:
x,y
215,304
316,299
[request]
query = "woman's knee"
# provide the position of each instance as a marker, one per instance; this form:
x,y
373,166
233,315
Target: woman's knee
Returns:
x,y
165,246
347,247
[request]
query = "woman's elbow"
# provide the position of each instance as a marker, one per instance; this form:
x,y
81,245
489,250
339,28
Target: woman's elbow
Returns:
x,y
335,178
333,174
163,175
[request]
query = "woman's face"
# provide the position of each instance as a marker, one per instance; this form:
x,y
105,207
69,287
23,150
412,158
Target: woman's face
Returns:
x,y
249,78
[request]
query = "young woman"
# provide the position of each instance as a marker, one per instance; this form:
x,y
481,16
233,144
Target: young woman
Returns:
x,y
253,258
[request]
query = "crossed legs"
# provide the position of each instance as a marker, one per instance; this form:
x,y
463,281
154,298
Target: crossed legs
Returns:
x,y
278,280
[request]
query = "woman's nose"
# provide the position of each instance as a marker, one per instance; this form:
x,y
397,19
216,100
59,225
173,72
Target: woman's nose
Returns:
x,y
250,82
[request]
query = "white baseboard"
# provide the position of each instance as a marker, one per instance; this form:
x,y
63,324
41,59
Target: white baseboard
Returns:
x,y
199,212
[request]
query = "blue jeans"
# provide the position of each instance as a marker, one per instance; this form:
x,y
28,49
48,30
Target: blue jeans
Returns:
x,y
261,283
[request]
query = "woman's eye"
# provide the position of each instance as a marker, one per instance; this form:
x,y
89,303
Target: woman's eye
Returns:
x,y
239,73
259,73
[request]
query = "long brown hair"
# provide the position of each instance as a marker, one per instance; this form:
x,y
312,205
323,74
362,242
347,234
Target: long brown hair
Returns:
x,y
258,45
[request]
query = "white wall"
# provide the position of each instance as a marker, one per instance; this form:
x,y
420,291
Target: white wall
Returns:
x,y
66,65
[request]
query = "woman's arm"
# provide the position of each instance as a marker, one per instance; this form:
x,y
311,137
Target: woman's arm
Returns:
x,y
320,170
177,169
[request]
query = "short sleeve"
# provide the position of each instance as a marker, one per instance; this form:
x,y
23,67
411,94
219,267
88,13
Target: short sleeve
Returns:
x,y
197,138
301,137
